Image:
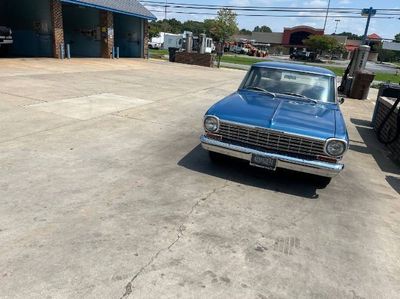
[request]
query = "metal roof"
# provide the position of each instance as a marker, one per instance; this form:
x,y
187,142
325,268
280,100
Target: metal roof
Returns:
x,y
297,68
126,7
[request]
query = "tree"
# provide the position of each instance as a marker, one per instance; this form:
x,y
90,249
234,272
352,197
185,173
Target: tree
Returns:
x,y
245,32
397,38
175,25
225,25
349,35
262,29
170,26
193,26
154,29
208,24
320,43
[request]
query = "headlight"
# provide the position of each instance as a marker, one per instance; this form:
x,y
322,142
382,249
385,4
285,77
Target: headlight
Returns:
x,y
211,124
336,147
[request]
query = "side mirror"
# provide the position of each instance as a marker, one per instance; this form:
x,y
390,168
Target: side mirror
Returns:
x,y
341,101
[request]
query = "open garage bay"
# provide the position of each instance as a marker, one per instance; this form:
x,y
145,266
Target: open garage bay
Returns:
x,y
106,193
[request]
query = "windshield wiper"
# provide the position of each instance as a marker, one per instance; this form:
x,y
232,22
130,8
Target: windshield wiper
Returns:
x,y
297,95
262,90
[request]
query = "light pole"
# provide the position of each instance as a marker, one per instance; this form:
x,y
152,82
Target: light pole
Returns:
x,y
367,12
337,23
327,13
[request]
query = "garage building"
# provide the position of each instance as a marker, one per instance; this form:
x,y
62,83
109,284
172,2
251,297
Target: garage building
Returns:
x,y
91,28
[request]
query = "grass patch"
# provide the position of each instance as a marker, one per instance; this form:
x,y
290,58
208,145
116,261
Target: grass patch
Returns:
x,y
158,54
383,77
240,59
339,71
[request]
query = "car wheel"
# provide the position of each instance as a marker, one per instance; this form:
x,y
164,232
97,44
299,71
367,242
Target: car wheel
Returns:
x,y
323,182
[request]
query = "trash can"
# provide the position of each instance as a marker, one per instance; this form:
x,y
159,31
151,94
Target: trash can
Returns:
x,y
361,84
172,54
386,90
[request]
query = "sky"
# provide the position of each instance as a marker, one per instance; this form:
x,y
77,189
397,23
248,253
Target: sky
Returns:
x,y
386,28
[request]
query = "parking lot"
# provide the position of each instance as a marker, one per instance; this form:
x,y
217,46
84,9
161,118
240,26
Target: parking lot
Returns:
x,y
106,193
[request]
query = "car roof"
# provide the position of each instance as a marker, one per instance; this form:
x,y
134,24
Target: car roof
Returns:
x,y
297,68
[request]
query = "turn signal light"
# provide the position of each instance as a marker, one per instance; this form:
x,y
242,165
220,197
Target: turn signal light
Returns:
x,y
214,136
327,159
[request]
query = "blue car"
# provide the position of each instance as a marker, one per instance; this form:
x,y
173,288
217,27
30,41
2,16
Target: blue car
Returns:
x,y
282,116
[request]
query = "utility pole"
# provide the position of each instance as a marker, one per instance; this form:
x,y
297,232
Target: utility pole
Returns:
x,y
337,23
166,9
165,15
327,13
367,12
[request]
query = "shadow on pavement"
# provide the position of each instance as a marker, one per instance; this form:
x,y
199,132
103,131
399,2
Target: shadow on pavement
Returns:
x,y
394,182
236,170
373,147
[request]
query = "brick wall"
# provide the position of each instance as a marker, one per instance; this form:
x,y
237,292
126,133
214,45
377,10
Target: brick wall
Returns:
x,y
382,109
58,29
107,32
195,59
146,38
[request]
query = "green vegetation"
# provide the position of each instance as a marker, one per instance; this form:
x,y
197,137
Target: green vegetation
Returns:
x,y
245,60
220,28
383,77
339,71
224,25
321,43
158,54
350,35
262,29
240,59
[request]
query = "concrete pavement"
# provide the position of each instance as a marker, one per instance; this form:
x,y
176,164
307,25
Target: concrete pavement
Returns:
x,y
106,193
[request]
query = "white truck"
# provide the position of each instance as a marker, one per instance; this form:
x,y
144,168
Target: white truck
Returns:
x,y
172,41
157,42
210,46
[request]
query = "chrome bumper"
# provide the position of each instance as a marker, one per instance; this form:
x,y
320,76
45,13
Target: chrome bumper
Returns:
x,y
313,167
6,42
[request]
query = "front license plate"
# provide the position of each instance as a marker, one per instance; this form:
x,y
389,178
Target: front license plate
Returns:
x,y
264,162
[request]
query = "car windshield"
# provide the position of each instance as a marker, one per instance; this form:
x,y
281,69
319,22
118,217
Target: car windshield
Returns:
x,y
292,83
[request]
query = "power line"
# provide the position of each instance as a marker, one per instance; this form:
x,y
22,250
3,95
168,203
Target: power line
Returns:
x,y
188,9
276,16
259,8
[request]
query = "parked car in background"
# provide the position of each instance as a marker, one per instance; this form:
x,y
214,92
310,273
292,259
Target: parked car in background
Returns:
x,y
282,116
239,48
303,55
155,46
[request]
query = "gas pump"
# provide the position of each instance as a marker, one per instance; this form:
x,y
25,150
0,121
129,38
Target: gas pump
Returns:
x,y
358,63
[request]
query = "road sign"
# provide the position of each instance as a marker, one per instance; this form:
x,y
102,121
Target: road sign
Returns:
x,y
366,12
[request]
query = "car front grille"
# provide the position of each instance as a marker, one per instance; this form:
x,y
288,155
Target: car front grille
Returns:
x,y
271,141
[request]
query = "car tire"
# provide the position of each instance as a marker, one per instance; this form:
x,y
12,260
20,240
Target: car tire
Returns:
x,y
323,182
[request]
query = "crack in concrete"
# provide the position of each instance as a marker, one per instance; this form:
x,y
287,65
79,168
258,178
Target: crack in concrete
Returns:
x,y
129,287
23,97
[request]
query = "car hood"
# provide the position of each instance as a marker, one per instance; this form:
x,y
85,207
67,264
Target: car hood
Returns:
x,y
279,113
